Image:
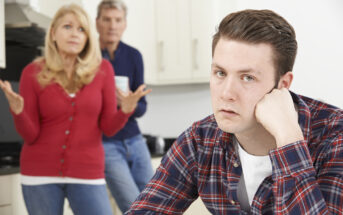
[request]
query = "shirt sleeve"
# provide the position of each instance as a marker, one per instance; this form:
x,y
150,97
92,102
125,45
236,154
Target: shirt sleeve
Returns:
x,y
300,189
27,122
111,120
139,80
172,188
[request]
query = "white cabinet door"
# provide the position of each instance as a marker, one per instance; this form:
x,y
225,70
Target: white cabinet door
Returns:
x,y
174,37
2,34
202,31
5,210
184,34
173,41
18,204
141,34
5,187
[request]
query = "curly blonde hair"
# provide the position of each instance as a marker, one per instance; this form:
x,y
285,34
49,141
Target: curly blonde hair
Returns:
x,y
88,60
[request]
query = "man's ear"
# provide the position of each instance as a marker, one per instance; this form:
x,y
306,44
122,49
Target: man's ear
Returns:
x,y
286,80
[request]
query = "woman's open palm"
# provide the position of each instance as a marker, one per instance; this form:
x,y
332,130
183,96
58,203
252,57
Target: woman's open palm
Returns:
x,y
128,101
15,101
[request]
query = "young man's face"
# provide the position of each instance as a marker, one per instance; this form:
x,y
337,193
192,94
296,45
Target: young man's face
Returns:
x,y
241,75
111,25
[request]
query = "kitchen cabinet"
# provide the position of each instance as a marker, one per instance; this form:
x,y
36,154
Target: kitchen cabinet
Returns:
x,y
2,35
183,29
174,37
6,195
11,200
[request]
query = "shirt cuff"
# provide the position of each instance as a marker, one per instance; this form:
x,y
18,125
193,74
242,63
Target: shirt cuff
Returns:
x,y
291,160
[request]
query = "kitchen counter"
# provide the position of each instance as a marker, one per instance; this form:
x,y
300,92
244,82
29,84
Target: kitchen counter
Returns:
x,y
9,170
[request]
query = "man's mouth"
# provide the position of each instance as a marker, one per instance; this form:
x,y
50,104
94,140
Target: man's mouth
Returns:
x,y
228,112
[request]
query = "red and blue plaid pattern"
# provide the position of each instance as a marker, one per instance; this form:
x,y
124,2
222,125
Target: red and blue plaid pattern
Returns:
x,y
307,176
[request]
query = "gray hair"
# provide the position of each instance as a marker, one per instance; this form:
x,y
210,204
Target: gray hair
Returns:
x,y
115,4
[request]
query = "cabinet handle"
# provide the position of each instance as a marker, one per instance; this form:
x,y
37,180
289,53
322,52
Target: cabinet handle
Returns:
x,y
195,54
161,56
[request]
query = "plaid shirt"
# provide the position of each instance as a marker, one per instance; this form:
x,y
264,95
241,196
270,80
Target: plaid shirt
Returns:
x,y
307,176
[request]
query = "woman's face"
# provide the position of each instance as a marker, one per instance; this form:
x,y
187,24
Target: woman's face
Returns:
x,y
69,35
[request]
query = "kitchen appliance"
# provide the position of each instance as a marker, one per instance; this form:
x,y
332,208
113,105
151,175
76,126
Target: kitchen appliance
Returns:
x,y
24,38
9,155
158,145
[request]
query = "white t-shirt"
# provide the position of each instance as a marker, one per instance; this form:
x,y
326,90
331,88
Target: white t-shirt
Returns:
x,y
255,170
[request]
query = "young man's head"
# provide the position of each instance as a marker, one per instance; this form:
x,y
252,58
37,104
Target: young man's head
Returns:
x,y
253,52
111,21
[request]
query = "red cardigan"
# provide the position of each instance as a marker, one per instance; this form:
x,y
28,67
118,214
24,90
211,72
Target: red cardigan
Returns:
x,y
62,135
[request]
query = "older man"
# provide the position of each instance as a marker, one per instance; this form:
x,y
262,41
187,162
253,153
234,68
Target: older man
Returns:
x,y
128,166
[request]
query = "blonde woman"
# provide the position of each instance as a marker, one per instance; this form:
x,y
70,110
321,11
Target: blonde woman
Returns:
x,y
66,101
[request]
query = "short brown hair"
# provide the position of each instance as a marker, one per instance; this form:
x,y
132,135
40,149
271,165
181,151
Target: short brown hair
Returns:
x,y
114,4
261,26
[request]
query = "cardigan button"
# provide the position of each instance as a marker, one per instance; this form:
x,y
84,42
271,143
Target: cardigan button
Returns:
x,y
232,202
235,164
71,118
67,132
73,104
64,147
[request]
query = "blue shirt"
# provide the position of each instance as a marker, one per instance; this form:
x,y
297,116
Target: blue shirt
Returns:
x,y
128,62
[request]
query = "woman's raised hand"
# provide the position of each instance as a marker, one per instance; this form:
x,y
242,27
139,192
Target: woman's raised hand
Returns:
x,y
15,101
128,101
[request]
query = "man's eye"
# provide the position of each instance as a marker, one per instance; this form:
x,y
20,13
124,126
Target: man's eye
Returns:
x,y
219,73
248,78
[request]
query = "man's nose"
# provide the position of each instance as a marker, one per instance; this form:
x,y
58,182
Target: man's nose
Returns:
x,y
113,24
230,89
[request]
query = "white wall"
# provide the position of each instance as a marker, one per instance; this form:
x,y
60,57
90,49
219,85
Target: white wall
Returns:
x,y
317,71
318,25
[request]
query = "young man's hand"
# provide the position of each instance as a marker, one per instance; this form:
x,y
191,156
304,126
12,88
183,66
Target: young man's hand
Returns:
x,y
277,114
15,100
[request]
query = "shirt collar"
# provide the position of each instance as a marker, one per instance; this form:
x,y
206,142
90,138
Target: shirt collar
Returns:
x,y
106,54
304,115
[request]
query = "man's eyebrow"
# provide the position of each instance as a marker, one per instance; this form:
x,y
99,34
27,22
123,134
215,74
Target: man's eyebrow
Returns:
x,y
246,70
217,66
250,70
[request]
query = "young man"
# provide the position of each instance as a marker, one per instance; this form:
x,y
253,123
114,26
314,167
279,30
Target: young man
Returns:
x,y
265,150
128,165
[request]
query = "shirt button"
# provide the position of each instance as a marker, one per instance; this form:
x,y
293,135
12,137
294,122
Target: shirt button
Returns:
x,y
73,104
235,164
67,132
64,147
71,118
62,160
232,202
